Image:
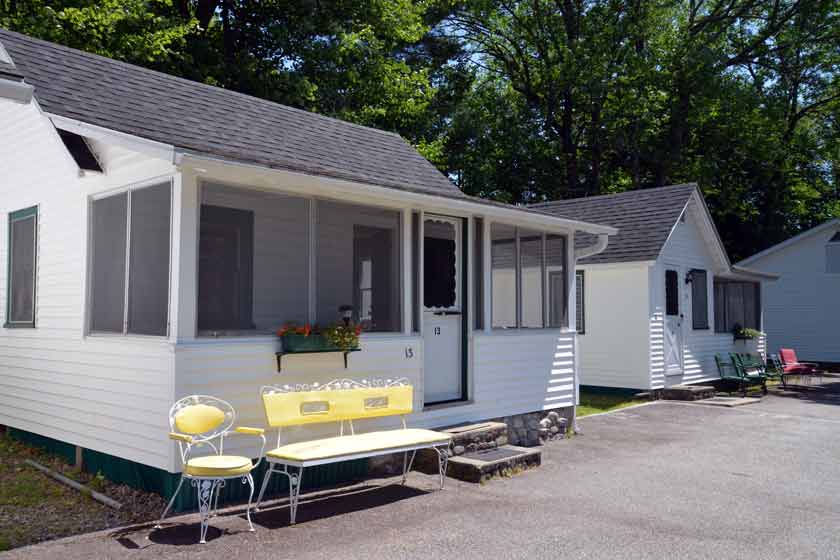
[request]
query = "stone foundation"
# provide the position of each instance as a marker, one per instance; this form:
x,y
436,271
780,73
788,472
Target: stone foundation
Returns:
x,y
535,428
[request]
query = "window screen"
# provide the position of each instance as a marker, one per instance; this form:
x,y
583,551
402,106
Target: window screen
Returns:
x,y
148,295
109,218
672,293
699,300
478,273
530,270
580,301
555,267
20,308
737,304
138,277
503,277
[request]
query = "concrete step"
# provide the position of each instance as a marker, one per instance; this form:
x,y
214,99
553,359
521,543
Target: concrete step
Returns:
x,y
467,438
688,392
478,466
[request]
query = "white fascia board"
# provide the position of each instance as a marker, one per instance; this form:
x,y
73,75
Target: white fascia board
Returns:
x,y
150,148
737,272
615,265
788,242
213,168
16,91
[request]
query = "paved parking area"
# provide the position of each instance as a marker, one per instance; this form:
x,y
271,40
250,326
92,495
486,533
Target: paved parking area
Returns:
x,y
665,480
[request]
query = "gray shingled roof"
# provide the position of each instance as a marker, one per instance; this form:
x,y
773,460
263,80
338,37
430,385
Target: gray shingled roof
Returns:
x,y
644,219
213,121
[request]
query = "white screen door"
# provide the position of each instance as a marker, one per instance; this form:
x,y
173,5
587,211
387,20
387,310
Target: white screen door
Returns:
x,y
442,305
673,322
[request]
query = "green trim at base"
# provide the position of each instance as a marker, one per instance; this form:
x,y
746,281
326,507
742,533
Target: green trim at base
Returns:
x,y
159,481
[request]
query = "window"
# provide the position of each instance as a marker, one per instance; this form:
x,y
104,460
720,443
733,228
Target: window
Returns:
x,y
580,301
672,293
530,270
503,267
832,254
130,248
478,273
737,304
699,300
80,151
23,244
528,281
555,268
358,265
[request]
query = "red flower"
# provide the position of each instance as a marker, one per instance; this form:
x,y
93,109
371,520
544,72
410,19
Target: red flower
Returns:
x,y
358,330
282,330
307,329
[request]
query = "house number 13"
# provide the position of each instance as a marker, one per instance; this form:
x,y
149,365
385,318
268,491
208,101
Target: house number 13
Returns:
x,y
437,331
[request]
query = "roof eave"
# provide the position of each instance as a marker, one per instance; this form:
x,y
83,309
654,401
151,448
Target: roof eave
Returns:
x,y
736,272
510,214
788,242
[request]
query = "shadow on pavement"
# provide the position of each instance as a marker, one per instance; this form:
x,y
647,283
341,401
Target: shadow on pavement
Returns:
x,y
825,391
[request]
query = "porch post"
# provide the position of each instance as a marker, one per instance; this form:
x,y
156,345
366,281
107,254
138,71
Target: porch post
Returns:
x,y
186,207
486,278
571,314
407,278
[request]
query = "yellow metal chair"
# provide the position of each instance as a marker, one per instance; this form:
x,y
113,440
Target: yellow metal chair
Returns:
x,y
201,422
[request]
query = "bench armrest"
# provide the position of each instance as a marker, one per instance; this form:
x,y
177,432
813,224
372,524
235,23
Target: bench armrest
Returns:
x,y
249,431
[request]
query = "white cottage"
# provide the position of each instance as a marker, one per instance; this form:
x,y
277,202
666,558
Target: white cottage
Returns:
x,y
655,307
160,230
802,309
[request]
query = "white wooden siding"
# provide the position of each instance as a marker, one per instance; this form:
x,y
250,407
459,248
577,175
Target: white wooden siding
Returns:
x,y
513,372
802,308
611,352
687,249
109,394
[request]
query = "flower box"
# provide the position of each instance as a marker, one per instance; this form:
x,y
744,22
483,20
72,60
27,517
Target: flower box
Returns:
x,y
293,342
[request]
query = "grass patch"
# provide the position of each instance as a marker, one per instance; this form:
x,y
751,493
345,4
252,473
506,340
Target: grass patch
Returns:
x,y
592,402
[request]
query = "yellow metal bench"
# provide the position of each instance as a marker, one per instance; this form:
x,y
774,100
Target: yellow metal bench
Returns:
x,y
343,401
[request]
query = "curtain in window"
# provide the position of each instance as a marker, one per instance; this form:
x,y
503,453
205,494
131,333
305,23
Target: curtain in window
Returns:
x,y
699,300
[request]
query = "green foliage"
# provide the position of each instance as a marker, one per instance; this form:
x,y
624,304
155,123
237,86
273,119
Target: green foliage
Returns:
x,y
529,100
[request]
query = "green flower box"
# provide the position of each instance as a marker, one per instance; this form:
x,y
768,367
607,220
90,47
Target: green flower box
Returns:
x,y
301,343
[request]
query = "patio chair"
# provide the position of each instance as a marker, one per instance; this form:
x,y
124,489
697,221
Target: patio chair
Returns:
x,y
791,364
752,369
203,422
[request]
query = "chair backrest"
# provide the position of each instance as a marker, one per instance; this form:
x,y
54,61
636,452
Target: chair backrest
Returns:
x,y
788,356
337,401
202,416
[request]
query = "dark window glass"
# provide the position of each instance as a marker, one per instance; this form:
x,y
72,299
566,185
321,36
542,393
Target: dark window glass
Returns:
x,y
737,304
108,223
225,269
580,302
23,227
699,300
439,265
672,293
80,151
148,294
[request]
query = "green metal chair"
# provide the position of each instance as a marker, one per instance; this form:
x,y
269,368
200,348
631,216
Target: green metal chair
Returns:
x,y
751,369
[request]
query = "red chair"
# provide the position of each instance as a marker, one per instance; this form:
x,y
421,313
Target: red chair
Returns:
x,y
792,365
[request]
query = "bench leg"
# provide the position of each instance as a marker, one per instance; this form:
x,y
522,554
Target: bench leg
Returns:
x,y
407,464
295,480
443,459
266,478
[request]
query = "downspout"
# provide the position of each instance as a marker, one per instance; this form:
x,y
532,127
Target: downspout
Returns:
x,y
581,253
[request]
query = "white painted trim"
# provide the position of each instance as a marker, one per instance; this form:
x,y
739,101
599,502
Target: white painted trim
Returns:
x,y
793,240
487,274
614,265
19,92
340,189
407,280
135,143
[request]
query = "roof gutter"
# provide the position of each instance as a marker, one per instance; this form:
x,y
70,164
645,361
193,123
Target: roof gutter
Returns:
x,y
16,91
742,273
597,247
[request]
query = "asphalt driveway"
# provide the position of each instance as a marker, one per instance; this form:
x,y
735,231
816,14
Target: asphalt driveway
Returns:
x,y
665,480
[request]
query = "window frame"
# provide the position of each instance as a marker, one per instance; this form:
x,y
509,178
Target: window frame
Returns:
x,y
580,300
128,189
18,215
695,272
544,287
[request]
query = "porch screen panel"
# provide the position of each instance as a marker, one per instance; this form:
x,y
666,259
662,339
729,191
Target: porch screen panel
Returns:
x,y
108,233
751,307
735,305
478,273
555,270
720,307
148,292
699,300
503,280
358,265
530,267
22,236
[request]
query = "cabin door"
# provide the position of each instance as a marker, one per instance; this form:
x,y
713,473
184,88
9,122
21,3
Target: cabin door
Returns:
x,y
443,379
674,345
